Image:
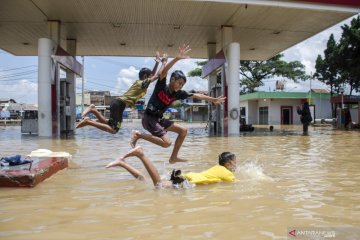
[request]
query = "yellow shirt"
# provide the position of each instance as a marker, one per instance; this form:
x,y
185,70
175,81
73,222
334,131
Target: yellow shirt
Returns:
x,y
135,92
213,175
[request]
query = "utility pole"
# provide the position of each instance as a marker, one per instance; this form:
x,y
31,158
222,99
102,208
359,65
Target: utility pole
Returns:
x,y
82,85
310,88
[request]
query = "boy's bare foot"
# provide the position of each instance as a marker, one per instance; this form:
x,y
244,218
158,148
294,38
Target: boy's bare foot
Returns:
x,y
175,160
89,109
83,123
134,152
118,162
121,161
134,137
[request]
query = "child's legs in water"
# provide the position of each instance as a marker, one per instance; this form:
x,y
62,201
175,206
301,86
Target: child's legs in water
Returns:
x,y
139,153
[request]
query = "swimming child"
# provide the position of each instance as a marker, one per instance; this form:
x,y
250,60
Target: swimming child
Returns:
x,y
222,172
160,100
117,106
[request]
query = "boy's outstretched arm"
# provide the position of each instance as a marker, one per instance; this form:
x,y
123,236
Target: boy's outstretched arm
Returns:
x,y
181,55
157,61
163,64
217,100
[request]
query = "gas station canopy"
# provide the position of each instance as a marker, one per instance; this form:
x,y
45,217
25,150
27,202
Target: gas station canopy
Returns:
x,y
141,27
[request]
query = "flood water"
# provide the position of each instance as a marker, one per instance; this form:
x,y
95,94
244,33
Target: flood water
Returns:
x,y
285,180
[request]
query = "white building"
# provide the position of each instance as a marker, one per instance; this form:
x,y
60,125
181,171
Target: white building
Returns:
x,y
279,108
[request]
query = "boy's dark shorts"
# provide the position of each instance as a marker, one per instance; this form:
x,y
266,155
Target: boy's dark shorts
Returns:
x,y
117,108
155,125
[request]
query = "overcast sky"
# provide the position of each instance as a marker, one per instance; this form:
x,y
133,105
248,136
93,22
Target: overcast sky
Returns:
x,y
18,75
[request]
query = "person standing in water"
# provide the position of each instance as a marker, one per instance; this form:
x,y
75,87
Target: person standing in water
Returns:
x,y
305,116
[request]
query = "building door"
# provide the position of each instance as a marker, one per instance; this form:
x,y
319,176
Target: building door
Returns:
x,y
263,115
286,115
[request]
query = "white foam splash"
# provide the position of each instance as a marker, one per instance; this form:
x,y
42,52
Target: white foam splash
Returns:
x,y
252,171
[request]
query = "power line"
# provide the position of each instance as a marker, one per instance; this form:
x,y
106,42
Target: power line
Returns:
x,y
17,74
18,79
11,69
117,63
99,84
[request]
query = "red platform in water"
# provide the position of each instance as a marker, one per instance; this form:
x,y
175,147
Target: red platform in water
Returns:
x,y
30,178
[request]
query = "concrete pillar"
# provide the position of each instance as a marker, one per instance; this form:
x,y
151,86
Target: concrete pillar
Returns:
x,y
211,53
231,68
226,35
46,48
233,81
226,39
54,31
71,78
211,46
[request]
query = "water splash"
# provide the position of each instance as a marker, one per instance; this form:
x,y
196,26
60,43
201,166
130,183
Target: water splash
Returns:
x,y
251,171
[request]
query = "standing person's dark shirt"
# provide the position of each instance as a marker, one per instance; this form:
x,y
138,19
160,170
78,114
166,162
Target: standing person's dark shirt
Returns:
x,y
162,98
305,114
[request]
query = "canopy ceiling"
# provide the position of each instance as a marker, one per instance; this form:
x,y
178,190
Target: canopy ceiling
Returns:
x,y
141,27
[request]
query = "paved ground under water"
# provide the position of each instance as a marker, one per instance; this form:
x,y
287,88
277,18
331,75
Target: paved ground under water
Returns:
x,y
285,180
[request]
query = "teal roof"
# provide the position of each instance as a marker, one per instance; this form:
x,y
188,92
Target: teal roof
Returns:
x,y
287,95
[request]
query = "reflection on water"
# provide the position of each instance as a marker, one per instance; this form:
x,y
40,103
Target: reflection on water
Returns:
x,y
285,179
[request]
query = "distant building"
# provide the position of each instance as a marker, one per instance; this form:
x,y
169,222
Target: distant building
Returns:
x,y
16,110
98,97
102,101
279,108
7,100
195,110
87,101
4,102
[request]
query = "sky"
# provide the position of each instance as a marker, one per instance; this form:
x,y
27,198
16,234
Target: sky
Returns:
x,y
18,74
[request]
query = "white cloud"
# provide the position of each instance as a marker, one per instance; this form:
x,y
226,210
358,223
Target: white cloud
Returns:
x,y
185,65
125,79
307,51
22,91
192,83
196,83
149,61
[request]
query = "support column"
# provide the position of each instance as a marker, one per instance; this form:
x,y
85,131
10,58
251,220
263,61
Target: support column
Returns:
x,y
231,87
211,54
233,81
215,117
54,31
226,39
45,50
226,35
71,78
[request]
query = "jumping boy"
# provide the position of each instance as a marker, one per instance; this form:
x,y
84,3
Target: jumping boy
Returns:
x,y
219,173
117,106
160,100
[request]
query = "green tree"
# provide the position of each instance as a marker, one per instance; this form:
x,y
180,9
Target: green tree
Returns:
x,y
197,71
327,70
348,55
254,72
